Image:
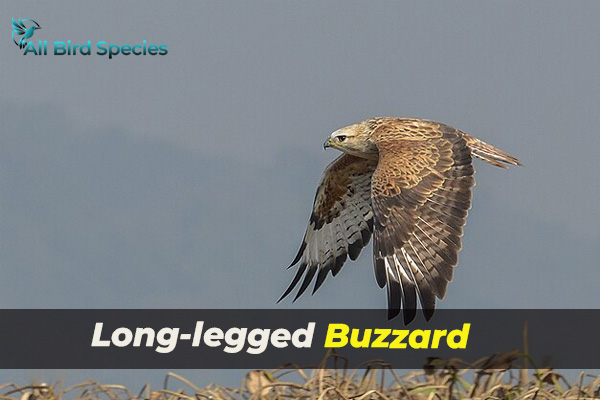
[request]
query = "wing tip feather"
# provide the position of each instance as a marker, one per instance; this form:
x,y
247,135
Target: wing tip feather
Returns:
x,y
294,282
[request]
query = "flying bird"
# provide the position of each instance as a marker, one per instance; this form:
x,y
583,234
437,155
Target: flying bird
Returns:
x,y
20,29
408,183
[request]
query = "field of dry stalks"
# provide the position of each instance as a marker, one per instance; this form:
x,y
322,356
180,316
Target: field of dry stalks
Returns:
x,y
490,379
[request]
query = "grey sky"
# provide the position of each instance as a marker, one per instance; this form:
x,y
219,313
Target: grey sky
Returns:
x,y
187,180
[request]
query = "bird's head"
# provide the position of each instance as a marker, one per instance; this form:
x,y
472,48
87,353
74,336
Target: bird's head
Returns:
x,y
36,27
353,139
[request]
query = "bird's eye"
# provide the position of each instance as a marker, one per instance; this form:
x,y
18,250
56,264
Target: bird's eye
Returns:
x,y
341,138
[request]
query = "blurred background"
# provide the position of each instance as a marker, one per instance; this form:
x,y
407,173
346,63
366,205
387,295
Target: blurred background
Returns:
x,y
186,180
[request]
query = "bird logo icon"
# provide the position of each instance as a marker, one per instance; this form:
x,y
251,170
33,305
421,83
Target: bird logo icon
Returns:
x,y
21,29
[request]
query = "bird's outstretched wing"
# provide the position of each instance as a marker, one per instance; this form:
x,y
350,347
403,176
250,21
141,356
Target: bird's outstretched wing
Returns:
x,y
340,224
421,192
18,27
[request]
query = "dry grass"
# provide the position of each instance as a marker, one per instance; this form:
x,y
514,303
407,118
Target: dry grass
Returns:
x,y
490,378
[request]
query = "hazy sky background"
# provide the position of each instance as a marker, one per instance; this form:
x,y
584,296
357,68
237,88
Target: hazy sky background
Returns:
x,y
186,181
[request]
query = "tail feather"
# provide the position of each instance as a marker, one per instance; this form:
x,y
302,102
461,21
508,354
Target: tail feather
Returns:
x,y
489,153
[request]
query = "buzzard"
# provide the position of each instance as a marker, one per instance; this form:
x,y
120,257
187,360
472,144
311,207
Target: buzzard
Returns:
x,y
408,182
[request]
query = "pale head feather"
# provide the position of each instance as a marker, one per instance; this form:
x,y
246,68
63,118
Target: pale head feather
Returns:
x,y
354,140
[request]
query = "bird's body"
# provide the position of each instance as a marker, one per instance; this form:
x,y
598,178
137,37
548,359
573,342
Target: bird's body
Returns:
x,y
408,182
28,33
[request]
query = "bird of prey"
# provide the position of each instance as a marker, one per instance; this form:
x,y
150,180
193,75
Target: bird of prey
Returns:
x,y
20,29
408,182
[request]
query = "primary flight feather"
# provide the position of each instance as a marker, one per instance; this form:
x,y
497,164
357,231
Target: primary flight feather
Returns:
x,y
408,182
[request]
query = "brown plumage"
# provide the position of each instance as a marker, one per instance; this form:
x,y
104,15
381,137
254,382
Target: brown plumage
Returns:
x,y
407,181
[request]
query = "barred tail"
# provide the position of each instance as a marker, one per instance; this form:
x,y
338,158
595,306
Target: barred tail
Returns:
x,y
489,153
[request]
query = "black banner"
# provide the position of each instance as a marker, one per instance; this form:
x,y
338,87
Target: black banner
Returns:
x,y
263,339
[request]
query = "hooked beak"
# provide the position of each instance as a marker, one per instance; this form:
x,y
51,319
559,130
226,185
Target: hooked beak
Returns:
x,y
327,144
